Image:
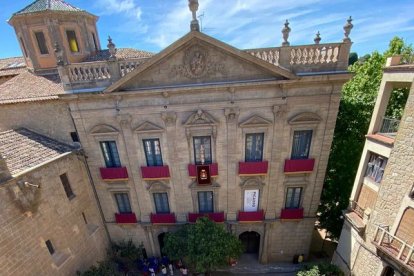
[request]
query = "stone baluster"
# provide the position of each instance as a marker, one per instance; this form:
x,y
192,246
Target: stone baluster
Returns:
x,y
381,237
285,31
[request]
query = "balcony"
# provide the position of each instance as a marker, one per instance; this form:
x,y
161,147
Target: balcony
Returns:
x,y
293,166
216,217
253,168
356,217
125,218
389,127
114,174
163,218
155,172
192,170
392,247
291,214
251,216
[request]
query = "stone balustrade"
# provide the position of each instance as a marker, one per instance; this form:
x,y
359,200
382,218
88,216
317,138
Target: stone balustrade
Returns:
x,y
303,59
306,58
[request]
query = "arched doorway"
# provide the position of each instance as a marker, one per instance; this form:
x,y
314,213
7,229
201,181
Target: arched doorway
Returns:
x,y
251,242
161,241
388,271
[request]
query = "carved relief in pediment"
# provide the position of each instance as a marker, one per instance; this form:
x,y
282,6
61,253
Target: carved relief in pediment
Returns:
x,y
255,121
200,118
197,63
304,118
103,130
146,127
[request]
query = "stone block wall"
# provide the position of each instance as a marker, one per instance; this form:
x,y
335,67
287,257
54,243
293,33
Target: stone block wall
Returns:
x,y
53,217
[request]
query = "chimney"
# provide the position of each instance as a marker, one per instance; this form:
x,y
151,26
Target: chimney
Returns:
x,y
4,170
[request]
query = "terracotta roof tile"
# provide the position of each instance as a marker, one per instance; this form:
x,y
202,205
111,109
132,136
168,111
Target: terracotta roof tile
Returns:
x,y
121,53
23,149
12,66
28,87
44,5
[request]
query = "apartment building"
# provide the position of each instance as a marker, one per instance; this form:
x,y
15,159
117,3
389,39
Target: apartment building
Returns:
x,y
378,233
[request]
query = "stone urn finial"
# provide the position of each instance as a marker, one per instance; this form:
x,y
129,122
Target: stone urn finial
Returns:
x,y
285,31
111,48
193,5
58,54
347,29
317,38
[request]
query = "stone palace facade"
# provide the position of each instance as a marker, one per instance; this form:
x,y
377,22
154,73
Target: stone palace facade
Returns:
x,y
199,129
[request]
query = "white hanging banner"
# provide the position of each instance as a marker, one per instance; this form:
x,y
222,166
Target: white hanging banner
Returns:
x,y
251,200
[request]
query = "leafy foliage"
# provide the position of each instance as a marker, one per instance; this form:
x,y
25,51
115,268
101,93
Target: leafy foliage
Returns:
x,y
121,256
324,269
204,245
355,111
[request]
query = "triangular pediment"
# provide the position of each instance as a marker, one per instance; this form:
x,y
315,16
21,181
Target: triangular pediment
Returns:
x,y
255,121
148,127
304,118
103,130
200,118
196,59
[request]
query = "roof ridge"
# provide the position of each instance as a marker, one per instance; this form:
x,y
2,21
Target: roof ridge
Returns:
x,y
51,5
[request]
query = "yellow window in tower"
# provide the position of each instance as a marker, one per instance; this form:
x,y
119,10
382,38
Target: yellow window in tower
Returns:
x,y
73,42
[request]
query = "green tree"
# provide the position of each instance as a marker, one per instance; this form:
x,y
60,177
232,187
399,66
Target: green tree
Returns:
x,y
322,269
204,246
355,110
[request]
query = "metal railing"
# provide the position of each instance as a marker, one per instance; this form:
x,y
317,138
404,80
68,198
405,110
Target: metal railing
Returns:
x,y
357,209
394,246
389,125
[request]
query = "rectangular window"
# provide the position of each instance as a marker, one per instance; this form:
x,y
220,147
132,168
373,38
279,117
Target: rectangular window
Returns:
x,y
202,150
205,202
73,42
84,218
122,200
161,203
50,247
41,42
376,167
301,144
254,147
66,185
74,136
23,47
95,44
153,152
293,196
110,153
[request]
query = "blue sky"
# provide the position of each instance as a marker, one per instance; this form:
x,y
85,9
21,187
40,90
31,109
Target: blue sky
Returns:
x,y
154,24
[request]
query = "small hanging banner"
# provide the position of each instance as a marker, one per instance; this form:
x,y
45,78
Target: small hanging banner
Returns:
x,y
251,200
203,174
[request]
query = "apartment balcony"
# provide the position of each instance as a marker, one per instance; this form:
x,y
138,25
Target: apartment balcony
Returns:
x,y
114,174
155,172
125,218
257,216
192,170
356,217
253,168
291,214
163,218
294,166
216,217
394,248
